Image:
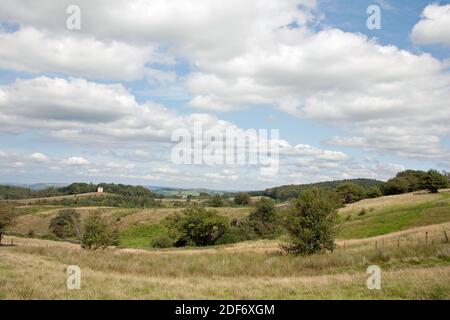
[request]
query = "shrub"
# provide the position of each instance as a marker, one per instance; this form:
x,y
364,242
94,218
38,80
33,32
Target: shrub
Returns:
x,y
7,216
98,234
242,199
350,192
216,201
433,181
66,224
311,223
163,241
196,226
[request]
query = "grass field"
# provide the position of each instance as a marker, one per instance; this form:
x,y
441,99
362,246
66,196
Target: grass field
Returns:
x,y
403,235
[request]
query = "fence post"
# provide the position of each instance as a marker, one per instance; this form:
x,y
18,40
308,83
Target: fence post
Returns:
x,y
398,243
426,237
446,237
376,245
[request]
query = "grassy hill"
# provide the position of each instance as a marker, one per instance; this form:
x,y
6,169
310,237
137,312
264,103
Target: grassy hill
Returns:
x,y
402,234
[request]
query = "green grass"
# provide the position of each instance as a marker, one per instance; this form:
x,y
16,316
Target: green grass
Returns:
x,y
140,236
395,218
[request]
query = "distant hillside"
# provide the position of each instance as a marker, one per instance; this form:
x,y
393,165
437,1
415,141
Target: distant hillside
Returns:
x,y
8,192
291,191
179,192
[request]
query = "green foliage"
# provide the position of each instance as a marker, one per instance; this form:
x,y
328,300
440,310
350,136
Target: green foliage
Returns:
x,y
66,224
242,199
374,192
11,192
104,201
98,234
196,226
216,201
433,181
350,192
289,192
414,180
163,241
311,224
7,215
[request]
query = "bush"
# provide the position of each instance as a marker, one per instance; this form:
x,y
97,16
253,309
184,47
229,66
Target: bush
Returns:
x,y
7,215
98,234
66,224
216,201
163,241
311,224
350,192
433,181
196,226
242,199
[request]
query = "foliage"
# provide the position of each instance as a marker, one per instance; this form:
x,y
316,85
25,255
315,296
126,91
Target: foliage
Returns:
x,y
163,241
311,224
7,216
196,226
433,181
242,199
105,201
414,180
216,201
350,192
289,192
98,234
66,224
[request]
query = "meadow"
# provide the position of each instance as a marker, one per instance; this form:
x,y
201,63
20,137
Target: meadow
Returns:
x,y
404,235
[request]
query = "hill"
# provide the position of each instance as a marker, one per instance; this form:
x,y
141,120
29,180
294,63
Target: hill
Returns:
x,y
287,192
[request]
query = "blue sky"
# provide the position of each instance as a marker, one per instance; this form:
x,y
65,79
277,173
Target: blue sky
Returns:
x,y
100,104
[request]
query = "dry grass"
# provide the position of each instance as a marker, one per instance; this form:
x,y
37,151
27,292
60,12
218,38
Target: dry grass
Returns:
x,y
250,270
390,201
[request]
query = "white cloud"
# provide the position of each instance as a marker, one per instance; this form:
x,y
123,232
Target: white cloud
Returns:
x,y
76,161
32,50
37,156
434,26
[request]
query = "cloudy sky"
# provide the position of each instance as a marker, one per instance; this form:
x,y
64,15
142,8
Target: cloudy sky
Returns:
x,y
100,103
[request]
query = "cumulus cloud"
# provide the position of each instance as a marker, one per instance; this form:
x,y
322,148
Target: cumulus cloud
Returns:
x,y
434,26
32,50
76,161
40,157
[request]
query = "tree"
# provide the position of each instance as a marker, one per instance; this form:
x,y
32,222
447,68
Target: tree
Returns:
x,y
265,211
98,234
433,181
374,192
216,201
350,192
311,223
242,199
197,226
66,224
6,218
395,186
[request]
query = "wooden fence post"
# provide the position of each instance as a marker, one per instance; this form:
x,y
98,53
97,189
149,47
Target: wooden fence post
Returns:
x,y
398,243
446,237
426,237
376,245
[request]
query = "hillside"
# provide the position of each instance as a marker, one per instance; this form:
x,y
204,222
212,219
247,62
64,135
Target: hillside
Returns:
x,y
287,192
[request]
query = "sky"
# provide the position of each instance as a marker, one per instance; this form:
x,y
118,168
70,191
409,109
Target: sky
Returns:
x,y
96,92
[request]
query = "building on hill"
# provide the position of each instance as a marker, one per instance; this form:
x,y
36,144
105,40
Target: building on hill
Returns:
x,y
99,190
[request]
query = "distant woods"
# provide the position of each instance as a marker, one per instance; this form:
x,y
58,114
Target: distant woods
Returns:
x,y
116,195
